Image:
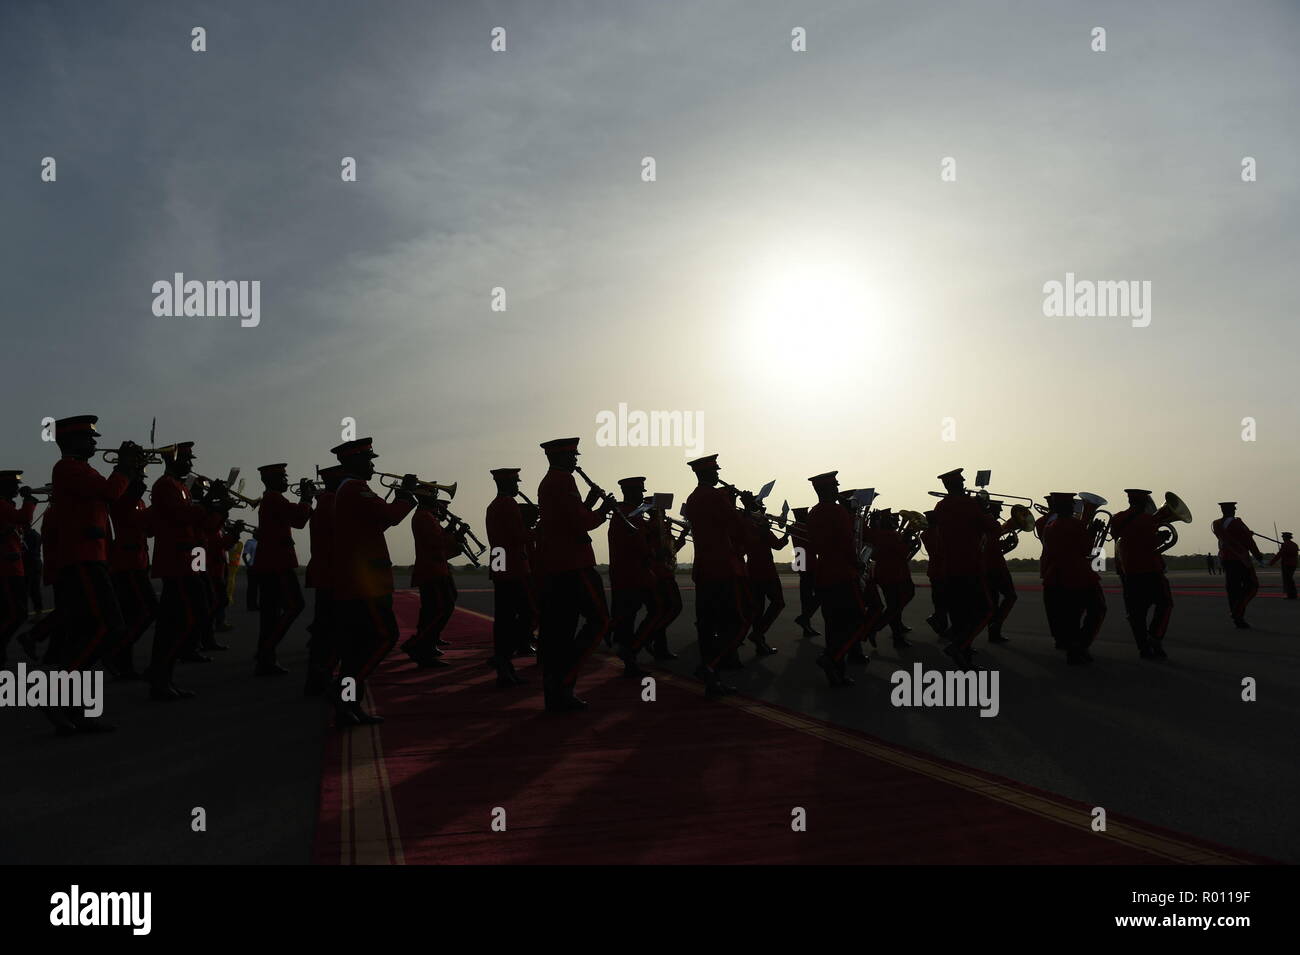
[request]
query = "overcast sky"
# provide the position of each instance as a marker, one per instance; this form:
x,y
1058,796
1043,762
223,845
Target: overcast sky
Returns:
x,y
798,272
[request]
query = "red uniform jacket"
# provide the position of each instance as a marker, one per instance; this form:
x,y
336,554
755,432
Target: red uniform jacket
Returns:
x,y
506,530
1287,553
275,518
177,526
563,542
320,531
933,545
84,495
13,521
760,543
1236,540
713,526
217,542
433,546
131,532
1067,555
965,526
51,555
889,556
361,568
1137,535
630,552
830,532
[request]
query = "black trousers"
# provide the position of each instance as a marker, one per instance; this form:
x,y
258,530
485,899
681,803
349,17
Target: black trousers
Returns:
x,y
253,588
897,595
968,606
368,631
1143,593
720,618
768,603
670,602
181,612
35,569
139,606
512,618
437,604
90,620
1288,581
561,647
279,604
842,610
1242,584
939,597
809,602
627,603
1002,595
323,636
13,609
1074,615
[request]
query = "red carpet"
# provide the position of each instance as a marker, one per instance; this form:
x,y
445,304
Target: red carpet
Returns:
x,y
679,780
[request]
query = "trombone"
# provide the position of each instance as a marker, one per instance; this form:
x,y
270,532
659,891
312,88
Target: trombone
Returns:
x,y
394,482
470,545
151,455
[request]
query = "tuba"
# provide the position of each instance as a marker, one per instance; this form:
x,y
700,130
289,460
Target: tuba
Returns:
x,y
1173,511
1021,521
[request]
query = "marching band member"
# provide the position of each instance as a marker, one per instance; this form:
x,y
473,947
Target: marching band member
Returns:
x,y
720,622
177,521
1236,548
510,532
664,567
362,576
1072,592
892,573
280,598
1287,554
431,575
631,580
90,619
570,587
13,575
965,527
128,564
216,540
1146,588
932,541
323,642
1000,587
806,568
830,535
766,596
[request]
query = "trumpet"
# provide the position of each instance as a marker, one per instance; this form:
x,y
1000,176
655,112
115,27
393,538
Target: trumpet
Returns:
x,y
225,488
394,482
673,522
42,494
151,455
249,528
611,503
470,545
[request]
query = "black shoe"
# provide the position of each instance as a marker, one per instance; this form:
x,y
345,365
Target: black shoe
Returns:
x,y
1158,650
527,650
193,656
269,669
662,655
181,694
1241,625
632,669
442,643
763,649
905,628
934,625
344,718
213,645
129,676
1077,658
857,656
430,663
315,687
567,704
1146,653
732,662
28,643
163,694
714,690
834,676
88,725
902,643
997,638
407,647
